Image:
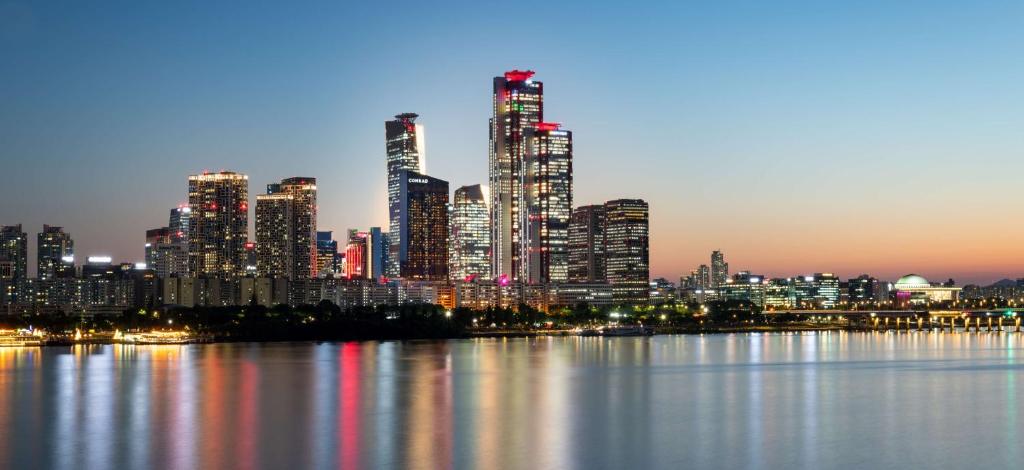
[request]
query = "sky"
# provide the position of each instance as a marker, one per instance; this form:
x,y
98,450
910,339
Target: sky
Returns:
x,y
849,137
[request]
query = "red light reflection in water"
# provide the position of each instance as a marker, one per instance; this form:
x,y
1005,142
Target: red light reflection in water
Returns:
x,y
248,415
349,426
212,428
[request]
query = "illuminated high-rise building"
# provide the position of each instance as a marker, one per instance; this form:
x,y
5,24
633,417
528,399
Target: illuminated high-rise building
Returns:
x,y
179,221
14,250
377,248
405,152
326,255
275,228
302,237
218,223
627,257
517,105
55,254
545,205
719,269
166,252
469,237
423,227
355,256
586,244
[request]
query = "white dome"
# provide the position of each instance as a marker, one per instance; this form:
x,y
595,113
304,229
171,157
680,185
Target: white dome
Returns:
x,y
911,281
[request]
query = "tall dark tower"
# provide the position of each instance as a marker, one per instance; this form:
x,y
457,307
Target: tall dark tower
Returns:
x,y
423,228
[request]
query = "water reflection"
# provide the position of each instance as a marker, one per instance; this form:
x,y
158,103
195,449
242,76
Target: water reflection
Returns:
x,y
727,401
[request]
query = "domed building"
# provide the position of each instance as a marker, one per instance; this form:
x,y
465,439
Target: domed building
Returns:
x,y
913,289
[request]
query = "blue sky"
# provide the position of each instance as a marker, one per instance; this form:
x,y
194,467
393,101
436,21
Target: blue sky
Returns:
x,y
880,137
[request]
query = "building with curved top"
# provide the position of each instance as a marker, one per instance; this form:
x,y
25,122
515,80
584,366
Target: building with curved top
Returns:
x,y
914,289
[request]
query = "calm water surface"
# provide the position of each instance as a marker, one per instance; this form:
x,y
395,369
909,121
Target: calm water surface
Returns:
x,y
832,400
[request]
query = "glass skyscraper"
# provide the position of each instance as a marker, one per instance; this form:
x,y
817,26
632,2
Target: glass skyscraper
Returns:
x,y
586,244
517,105
627,251
423,227
470,236
405,152
55,254
545,205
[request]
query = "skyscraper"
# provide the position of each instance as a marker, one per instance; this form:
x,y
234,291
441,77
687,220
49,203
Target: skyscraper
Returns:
x,y
275,228
218,223
377,248
719,269
14,249
470,236
627,250
166,252
326,255
545,205
586,244
179,223
423,227
355,256
405,152
55,254
302,237
517,105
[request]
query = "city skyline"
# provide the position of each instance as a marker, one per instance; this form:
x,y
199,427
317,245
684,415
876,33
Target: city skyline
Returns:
x,y
875,187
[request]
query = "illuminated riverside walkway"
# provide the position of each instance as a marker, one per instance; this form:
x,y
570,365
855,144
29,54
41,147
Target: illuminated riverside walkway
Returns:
x,y
993,320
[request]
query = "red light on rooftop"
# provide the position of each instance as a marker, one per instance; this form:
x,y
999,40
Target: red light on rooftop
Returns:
x,y
518,75
250,245
548,126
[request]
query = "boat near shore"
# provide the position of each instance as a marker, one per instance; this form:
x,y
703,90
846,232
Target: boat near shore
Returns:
x,y
21,338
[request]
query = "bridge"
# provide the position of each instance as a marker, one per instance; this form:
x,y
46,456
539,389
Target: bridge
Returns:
x,y
992,319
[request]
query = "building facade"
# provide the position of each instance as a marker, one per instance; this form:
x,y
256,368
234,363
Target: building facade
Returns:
x,y
517,105
218,226
545,205
302,238
405,151
423,228
627,251
719,269
470,236
275,227
586,244
55,253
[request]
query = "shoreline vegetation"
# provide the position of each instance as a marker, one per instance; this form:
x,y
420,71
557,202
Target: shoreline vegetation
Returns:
x,y
328,322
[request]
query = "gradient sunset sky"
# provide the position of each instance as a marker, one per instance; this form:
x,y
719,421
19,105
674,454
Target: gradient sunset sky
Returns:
x,y
848,137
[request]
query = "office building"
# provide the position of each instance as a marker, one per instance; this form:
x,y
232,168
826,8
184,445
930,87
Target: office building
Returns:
x,y
218,223
166,252
405,152
586,244
545,205
55,254
423,227
517,105
326,255
862,289
627,251
377,249
470,236
355,256
178,222
719,269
